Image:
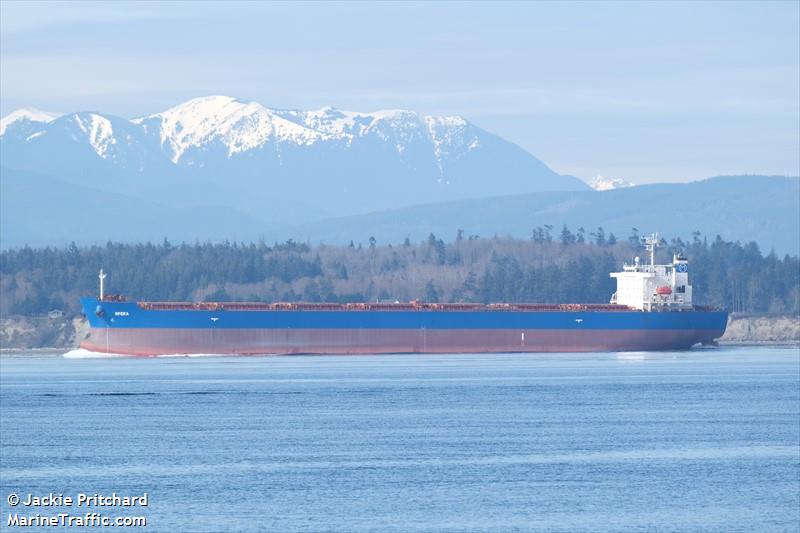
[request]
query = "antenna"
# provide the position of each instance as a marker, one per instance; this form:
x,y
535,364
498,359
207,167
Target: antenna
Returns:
x,y
102,276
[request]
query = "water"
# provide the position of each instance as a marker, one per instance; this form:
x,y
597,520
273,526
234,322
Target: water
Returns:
x,y
707,440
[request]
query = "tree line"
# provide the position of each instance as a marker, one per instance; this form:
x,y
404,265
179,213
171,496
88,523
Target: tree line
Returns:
x,y
551,266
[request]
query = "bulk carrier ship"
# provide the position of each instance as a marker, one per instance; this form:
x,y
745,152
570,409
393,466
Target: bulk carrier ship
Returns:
x,y
651,310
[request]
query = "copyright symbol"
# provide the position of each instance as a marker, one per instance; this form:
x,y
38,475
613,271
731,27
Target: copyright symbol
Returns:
x,y
13,499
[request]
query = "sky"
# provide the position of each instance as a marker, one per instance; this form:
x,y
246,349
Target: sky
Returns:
x,y
647,92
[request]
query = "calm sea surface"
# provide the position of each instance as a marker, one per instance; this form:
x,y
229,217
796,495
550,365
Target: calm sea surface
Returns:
x,y
707,440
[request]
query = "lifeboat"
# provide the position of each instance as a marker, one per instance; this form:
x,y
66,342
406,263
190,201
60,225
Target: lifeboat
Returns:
x,y
664,291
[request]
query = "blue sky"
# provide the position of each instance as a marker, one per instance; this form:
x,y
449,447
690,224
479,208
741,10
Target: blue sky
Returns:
x,y
644,91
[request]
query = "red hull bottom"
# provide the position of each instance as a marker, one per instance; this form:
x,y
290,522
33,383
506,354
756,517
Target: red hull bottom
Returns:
x,y
149,342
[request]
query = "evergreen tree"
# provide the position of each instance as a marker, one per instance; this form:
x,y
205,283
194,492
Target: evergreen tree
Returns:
x,y
567,237
431,294
633,239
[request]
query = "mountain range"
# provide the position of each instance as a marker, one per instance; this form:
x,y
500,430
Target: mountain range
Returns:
x,y
277,165
764,209
219,168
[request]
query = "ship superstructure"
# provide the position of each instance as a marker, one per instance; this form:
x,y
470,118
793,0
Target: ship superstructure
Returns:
x,y
652,287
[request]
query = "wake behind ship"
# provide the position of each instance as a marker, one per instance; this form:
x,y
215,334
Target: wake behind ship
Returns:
x,y
651,310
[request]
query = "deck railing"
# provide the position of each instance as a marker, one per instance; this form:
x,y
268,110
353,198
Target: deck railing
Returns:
x,y
410,306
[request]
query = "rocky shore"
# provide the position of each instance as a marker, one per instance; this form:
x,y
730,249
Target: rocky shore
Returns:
x,y
762,329
41,332
25,333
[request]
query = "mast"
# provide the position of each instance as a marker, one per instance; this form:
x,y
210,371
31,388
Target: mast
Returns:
x,y
102,276
651,243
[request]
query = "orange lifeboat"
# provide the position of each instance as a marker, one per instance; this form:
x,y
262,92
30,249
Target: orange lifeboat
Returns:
x,y
664,291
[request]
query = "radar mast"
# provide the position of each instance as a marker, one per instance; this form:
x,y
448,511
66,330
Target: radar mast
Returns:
x,y
651,243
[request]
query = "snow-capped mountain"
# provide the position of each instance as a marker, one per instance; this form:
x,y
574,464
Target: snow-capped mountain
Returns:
x,y
202,124
26,117
275,164
239,127
601,183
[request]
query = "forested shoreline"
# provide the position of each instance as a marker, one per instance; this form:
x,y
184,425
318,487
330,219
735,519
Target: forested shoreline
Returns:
x,y
552,266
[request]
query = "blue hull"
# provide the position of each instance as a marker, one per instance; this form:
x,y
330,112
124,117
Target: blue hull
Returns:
x,y
131,328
